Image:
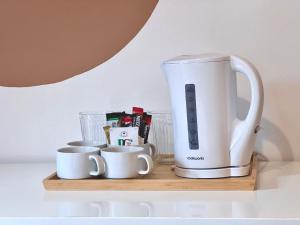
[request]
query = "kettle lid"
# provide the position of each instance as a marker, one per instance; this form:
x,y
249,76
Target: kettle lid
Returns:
x,y
201,58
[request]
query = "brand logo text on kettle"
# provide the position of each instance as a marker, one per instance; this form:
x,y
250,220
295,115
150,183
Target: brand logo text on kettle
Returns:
x,y
195,158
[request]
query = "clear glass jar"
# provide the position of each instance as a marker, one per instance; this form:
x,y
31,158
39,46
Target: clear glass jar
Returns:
x,y
161,135
92,124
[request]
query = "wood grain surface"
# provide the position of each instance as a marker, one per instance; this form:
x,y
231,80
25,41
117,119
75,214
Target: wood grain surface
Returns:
x,y
161,179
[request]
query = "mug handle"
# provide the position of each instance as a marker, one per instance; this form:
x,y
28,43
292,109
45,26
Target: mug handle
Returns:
x,y
100,165
153,150
149,162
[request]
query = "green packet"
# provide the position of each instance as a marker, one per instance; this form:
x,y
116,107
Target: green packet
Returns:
x,y
114,119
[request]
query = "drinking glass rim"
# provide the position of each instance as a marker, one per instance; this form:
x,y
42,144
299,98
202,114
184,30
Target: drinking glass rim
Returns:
x,y
104,112
91,113
163,112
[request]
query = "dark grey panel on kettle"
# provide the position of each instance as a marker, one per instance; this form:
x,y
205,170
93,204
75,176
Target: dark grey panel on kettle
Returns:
x,y
191,111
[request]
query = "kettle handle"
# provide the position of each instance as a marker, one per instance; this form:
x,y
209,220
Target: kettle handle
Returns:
x,y
244,131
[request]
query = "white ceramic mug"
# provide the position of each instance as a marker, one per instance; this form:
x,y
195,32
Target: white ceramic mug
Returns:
x,y
124,161
78,162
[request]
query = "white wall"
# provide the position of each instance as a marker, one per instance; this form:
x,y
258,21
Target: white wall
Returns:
x,y
35,121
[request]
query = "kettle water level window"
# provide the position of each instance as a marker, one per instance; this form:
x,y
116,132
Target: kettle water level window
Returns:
x,y
191,112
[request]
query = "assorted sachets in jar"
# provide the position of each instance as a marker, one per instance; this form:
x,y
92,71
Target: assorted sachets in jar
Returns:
x,y
128,129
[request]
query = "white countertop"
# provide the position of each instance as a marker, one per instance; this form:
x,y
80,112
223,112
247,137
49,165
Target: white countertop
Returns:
x,y
23,200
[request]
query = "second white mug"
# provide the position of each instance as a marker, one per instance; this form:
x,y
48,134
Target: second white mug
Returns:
x,y
124,161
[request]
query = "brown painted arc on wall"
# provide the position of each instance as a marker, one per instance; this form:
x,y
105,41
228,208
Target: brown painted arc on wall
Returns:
x,y
44,41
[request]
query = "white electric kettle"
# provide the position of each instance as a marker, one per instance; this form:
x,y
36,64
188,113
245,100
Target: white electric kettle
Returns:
x,y
209,140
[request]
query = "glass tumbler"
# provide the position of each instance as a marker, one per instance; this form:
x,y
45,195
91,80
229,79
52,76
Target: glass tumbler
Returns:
x,y
92,124
161,135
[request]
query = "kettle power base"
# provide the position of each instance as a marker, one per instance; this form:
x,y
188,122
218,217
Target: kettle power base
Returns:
x,y
162,178
223,172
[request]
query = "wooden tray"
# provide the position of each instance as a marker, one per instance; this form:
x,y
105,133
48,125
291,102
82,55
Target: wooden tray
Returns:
x,y
161,179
